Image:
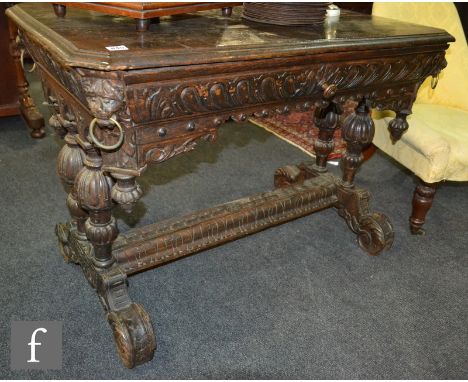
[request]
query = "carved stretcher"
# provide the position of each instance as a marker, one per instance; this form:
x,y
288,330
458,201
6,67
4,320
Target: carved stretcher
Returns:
x,y
122,110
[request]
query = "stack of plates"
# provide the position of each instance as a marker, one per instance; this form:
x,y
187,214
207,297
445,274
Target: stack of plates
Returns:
x,y
286,13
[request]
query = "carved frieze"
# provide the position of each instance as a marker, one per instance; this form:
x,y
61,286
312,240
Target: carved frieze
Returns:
x,y
159,101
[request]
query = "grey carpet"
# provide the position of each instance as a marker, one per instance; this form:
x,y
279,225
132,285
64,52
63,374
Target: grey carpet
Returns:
x,y
297,301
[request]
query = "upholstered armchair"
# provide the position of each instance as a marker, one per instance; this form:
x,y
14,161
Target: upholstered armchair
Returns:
x,y
435,147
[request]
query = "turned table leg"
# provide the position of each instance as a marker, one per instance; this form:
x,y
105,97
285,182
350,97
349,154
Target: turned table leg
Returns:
x,y
94,194
422,202
357,131
69,164
131,325
326,119
374,230
28,109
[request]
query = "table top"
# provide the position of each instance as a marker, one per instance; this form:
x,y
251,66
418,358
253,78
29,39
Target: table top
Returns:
x,y
80,39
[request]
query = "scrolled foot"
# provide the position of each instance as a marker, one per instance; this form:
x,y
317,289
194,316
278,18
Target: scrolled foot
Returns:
x,y
374,230
287,175
375,233
292,174
133,334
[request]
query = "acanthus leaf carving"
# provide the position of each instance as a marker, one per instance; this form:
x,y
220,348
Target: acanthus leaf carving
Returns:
x,y
163,101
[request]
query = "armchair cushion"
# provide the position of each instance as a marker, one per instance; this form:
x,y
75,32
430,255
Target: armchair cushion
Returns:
x,y
435,147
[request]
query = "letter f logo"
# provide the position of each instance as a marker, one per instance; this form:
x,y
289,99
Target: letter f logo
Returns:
x,y
33,344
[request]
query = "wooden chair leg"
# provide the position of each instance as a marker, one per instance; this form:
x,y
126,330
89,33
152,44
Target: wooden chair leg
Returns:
x,y
422,202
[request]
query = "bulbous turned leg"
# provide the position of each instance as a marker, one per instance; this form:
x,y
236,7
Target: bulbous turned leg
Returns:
x,y
374,230
131,325
398,126
69,161
357,131
326,119
93,191
422,202
69,164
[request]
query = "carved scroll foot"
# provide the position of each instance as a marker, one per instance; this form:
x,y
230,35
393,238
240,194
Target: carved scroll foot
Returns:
x,y
131,325
422,202
287,175
133,335
374,230
291,174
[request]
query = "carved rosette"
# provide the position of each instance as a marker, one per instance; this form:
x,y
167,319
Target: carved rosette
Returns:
x,y
357,131
126,191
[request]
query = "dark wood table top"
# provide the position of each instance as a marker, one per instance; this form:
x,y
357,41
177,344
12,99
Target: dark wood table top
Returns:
x,y
80,39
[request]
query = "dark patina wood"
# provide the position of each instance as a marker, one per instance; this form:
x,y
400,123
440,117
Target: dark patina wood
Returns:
x,y
171,88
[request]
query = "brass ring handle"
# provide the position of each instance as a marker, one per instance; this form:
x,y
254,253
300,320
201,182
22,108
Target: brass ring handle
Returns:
x,y
434,81
22,63
99,144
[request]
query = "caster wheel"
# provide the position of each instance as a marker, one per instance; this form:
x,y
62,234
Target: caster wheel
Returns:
x,y
375,233
133,335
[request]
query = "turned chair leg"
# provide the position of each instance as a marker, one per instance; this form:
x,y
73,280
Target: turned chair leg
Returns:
x,y
28,109
422,202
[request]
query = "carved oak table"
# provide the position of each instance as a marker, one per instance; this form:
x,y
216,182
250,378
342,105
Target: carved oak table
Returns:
x,y
121,110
